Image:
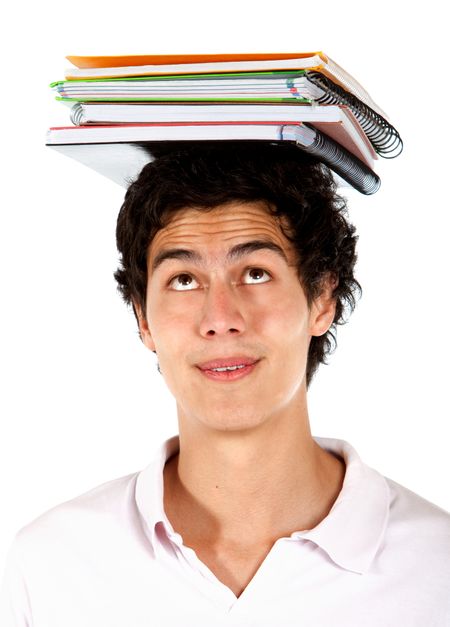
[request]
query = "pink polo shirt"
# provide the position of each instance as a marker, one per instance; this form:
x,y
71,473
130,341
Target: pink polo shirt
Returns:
x,y
110,558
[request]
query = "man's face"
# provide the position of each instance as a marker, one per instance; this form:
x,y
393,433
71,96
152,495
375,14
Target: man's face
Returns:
x,y
228,317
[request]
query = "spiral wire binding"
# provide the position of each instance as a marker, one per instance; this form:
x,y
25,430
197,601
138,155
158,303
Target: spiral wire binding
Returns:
x,y
76,114
335,156
345,164
382,135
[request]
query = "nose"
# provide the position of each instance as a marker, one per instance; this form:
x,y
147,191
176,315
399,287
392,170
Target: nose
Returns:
x,y
222,313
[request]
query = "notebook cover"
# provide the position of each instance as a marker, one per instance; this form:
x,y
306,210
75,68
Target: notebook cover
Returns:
x,y
85,62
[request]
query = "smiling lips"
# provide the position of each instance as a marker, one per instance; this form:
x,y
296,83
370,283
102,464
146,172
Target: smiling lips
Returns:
x,y
230,362
228,369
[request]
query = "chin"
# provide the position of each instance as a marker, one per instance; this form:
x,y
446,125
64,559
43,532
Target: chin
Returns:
x,y
232,419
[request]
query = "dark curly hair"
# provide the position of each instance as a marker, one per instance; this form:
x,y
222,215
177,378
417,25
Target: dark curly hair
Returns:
x,y
293,184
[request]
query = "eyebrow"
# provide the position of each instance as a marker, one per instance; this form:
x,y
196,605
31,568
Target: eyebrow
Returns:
x,y
234,254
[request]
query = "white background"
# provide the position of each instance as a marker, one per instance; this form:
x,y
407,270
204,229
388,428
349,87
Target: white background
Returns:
x,y
81,401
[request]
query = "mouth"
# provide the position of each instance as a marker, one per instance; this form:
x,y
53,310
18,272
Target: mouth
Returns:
x,y
229,369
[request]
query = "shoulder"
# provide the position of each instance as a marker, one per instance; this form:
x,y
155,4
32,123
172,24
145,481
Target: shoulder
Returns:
x,y
75,546
418,527
408,508
90,515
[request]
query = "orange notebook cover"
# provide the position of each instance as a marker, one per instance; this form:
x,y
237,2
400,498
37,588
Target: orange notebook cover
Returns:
x,y
84,62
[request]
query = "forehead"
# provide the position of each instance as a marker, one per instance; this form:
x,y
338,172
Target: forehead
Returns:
x,y
214,231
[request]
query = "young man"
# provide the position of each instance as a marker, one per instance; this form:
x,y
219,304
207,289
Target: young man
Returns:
x,y
238,262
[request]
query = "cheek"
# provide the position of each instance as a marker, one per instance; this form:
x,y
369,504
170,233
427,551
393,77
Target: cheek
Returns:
x,y
171,322
285,317
168,331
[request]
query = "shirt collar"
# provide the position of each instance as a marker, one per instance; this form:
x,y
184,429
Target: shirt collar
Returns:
x,y
350,534
150,491
353,530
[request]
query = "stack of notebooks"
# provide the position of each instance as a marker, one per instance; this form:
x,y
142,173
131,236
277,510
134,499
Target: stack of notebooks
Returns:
x,y
127,110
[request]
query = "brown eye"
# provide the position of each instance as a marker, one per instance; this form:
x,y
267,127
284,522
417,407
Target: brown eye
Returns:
x,y
256,275
183,282
184,279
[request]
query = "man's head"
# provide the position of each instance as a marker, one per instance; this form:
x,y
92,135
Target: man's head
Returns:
x,y
196,192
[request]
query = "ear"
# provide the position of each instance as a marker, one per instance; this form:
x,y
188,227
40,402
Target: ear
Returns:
x,y
144,330
323,308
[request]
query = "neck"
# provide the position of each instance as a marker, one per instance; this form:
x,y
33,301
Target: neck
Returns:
x,y
261,483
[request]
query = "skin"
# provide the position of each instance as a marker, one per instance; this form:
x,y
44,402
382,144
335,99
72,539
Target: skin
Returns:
x,y
248,471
